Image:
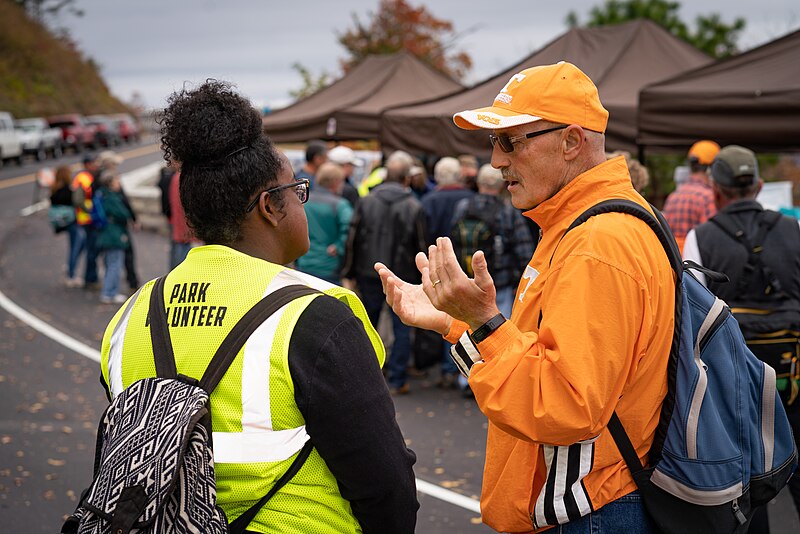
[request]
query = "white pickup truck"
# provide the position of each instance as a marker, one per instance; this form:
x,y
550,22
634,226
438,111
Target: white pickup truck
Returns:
x,y
10,143
38,138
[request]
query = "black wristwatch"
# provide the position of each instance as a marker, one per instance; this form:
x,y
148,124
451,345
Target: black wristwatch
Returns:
x,y
484,330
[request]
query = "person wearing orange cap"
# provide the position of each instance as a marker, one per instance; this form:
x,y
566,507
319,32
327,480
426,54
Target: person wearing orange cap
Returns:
x,y
693,202
591,326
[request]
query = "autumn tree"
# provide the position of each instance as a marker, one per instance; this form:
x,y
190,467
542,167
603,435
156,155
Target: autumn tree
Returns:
x,y
397,26
710,34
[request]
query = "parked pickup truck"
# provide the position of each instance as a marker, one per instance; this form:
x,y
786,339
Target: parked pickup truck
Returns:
x,y
76,133
38,138
10,143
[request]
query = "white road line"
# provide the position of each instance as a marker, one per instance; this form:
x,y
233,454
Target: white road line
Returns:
x,y
448,496
44,328
37,324
33,208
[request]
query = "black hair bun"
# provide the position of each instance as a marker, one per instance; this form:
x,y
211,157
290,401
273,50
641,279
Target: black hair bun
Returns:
x,y
206,124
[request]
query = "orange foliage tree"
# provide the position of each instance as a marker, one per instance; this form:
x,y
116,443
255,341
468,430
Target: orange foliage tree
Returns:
x,y
399,26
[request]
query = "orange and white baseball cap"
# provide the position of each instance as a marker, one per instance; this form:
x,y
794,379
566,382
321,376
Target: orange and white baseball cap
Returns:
x,y
704,152
559,93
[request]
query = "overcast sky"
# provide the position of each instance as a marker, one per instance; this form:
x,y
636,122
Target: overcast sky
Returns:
x,y
154,46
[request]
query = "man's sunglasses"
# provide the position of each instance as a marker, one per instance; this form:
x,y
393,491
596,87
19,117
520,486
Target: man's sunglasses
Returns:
x,y
300,189
507,143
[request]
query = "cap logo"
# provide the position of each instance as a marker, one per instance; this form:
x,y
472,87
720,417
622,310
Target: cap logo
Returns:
x,y
488,118
503,95
744,168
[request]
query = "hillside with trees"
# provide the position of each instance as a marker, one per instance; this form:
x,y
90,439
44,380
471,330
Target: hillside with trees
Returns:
x,y
43,74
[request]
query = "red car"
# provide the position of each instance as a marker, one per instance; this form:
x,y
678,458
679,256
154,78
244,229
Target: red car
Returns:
x,y
128,128
75,132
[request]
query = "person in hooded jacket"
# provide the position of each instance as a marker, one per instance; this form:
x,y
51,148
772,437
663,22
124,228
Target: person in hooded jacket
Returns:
x,y
388,225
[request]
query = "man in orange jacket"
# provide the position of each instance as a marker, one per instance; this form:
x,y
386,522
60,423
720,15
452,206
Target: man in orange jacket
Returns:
x,y
83,192
589,333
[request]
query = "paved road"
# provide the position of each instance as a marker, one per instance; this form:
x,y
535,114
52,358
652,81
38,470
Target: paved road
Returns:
x,y
50,399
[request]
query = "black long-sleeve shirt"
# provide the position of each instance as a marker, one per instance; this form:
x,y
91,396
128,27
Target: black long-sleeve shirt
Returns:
x,y
350,416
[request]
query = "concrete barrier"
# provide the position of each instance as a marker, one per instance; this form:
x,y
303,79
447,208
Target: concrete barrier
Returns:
x,y
141,187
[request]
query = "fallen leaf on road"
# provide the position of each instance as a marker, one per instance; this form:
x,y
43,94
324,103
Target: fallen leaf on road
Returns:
x,y
56,463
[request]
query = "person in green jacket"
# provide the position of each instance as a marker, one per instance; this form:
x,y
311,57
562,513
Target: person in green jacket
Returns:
x,y
328,215
113,238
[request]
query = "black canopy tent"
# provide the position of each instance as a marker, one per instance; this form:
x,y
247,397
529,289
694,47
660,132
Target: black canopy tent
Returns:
x,y
752,99
620,59
350,107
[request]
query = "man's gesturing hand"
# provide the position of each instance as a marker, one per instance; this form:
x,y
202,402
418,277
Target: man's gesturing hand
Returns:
x,y
410,302
445,293
451,291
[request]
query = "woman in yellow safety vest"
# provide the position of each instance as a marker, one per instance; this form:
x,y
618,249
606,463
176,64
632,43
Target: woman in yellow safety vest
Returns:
x,y
309,372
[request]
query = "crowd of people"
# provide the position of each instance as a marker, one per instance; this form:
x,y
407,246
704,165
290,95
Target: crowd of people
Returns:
x,y
555,336
91,207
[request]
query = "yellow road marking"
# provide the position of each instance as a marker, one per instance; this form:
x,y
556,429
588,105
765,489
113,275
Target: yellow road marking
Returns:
x,y
17,181
135,153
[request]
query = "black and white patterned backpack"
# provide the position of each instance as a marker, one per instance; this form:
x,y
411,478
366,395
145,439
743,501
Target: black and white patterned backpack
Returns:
x,y
154,465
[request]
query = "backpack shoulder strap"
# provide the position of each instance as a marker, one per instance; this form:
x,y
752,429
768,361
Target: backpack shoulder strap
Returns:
x,y
240,524
223,358
662,230
242,330
159,333
658,224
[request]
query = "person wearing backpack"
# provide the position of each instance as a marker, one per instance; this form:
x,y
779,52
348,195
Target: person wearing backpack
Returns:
x,y
113,238
608,389
759,251
303,406
588,335
487,222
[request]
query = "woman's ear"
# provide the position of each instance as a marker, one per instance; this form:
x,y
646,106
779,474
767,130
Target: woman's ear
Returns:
x,y
267,210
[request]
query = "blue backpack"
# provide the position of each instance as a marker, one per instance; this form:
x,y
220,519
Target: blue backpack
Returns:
x,y
98,211
723,446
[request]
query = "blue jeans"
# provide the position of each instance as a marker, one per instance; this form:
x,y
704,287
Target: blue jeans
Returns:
x,y
114,259
373,298
626,515
77,240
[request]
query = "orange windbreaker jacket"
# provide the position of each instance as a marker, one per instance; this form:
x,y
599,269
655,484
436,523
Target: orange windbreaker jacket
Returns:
x,y
606,304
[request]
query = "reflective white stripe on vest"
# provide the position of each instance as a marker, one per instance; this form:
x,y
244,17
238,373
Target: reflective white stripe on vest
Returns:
x,y
115,349
256,413
253,447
